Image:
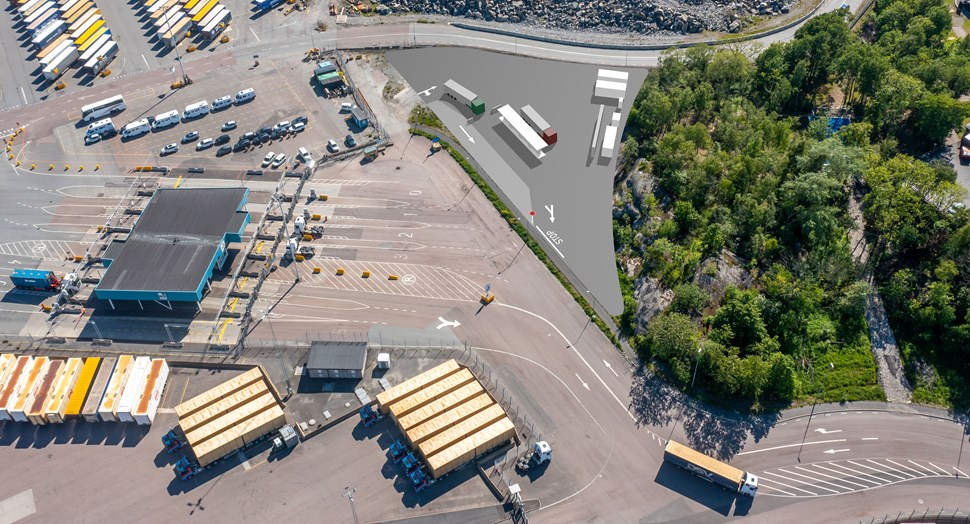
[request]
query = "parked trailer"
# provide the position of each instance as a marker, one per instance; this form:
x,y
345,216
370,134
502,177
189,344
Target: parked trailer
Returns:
x,y
81,388
79,13
35,411
83,27
32,380
83,18
151,396
204,11
41,21
189,5
101,58
61,63
87,35
34,11
200,6
40,12
15,381
92,47
60,394
108,409
165,23
211,16
96,40
130,396
36,279
7,361
156,7
711,469
49,38
217,26
163,9
28,7
177,33
89,411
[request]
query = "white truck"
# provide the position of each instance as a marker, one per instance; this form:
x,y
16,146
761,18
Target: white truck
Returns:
x,y
711,469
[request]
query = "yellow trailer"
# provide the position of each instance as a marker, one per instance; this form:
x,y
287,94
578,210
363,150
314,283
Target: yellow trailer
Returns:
x,y
35,375
396,393
190,5
6,366
35,410
204,11
60,395
85,36
51,47
82,386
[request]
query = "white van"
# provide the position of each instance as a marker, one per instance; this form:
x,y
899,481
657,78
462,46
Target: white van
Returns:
x,y
166,119
303,155
136,128
245,95
195,110
100,127
221,103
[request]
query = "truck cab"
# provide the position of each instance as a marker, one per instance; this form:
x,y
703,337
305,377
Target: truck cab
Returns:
x,y
750,485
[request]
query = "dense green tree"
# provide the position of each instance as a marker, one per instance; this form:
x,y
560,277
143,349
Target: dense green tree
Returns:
x,y
938,115
689,299
740,314
673,338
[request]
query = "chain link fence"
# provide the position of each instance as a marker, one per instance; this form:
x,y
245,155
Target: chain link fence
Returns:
x,y
941,516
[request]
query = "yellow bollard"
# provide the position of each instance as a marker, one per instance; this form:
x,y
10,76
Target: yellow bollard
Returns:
x,y
314,217
67,166
307,237
33,166
299,258
323,197
9,148
97,167
392,277
80,168
52,166
365,274
18,163
316,270
340,271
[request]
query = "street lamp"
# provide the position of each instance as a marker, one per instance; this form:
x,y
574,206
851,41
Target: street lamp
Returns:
x,y
588,320
349,493
814,403
697,364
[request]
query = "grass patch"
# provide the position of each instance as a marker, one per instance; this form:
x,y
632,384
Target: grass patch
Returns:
x,y
423,116
513,222
854,377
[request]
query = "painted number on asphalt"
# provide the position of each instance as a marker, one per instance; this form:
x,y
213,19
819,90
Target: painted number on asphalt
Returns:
x,y
407,280
405,235
414,192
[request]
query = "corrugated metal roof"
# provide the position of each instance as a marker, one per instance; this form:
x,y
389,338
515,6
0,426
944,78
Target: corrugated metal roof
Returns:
x,y
333,354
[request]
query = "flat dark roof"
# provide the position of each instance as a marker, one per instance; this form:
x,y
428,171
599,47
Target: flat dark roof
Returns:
x,y
175,240
333,354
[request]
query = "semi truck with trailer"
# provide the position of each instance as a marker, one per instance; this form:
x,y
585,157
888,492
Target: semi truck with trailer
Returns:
x,y
711,469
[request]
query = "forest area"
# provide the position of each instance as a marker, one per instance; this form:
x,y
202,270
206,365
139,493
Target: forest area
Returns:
x,y
751,232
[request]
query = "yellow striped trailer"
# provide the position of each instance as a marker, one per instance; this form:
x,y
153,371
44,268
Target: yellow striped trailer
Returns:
x,y
82,386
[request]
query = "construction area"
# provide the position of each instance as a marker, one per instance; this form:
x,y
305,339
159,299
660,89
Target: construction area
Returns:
x,y
447,418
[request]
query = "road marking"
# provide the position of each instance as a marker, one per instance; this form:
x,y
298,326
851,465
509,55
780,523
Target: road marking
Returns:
x,y
545,236
786,485
146,61
17,507
23,94
878,481
610,367
904,466
945,472
585,385
815,479
254,34
790,446
959,472
877,470
827,431
908,476
427,92
244,461
870,438
763,485
832,451
451,323
470,139
922,466
840,479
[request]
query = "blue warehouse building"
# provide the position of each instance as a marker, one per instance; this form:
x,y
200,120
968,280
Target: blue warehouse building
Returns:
x,y
174,247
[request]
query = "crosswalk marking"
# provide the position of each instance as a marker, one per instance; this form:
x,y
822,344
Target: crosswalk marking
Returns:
x,y
837,477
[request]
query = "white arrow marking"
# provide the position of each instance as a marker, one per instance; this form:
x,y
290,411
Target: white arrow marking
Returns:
x,y
14,262
470,139
611,367
827,431
444,323
552,214
427,92
833,451
585,385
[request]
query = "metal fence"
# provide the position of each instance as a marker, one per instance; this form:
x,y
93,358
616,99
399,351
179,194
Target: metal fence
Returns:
x,y
941,516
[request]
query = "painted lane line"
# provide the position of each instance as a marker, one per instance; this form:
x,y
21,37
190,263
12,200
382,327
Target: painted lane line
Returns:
x,y
790,446
585,385
763,485
841,479
146,61
877,470
870,438
610,368
923,467
820,480
960,472
908,476
23,94
879,481
786,485
814,483
905,466
254,34
827,431
833,451
945,472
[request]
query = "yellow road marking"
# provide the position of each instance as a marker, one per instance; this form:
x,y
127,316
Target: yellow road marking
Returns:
x,y
259,246
232,307
242,286
177,182
222,332
184,389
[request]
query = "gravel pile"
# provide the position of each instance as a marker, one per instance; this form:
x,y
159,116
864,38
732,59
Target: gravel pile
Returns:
x,y
630,16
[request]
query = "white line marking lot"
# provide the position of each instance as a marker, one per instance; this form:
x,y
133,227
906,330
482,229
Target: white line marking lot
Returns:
x,y
52,250
838,477
428,281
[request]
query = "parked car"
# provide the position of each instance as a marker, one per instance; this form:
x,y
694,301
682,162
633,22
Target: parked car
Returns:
x,y
283,126
278,161
224,150
229,126
264,130
297,127
277,133
350,141
92,139
261,138
169,149
191,136
205,143
242,145
332,146
300,120
268,158
222,139
346,107
248,136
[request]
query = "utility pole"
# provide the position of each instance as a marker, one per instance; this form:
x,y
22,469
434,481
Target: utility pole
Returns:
x,y
697,364
814,403
588,320
349,493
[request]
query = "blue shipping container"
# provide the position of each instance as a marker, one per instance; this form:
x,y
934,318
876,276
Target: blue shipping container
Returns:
x,y
34,279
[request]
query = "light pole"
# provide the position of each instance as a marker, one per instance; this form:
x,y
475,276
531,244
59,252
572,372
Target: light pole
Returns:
x,y
349,493
513,258
814,403
588,320
963,437
697,364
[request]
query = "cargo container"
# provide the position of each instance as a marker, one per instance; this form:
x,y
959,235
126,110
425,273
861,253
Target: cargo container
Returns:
x,y
458,432
217,25
223,408
57,51
7,361
89,33
328,79
214,12
209,6
60,63
42,20
448,419
131,394
149,3
459,396
539,124
83,27
711,469
35,410
234,415
205,5
15,382
84,18
46,41
239,436
165,9
32,381
324,68
69,5
107,411
431,392
166,23
471,448
79,13
56,408
151,396
219,392
189,5
463,96
84,381
28,7
101,58
89,411
88,48
386,398
34,279
35,11
179,31
160,5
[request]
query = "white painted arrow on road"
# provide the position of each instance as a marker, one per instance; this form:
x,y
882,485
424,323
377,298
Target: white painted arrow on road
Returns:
x,y
14,262
827,431
470,139
552,214
444,323
585,385
610,367
834,451
427,92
